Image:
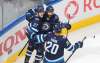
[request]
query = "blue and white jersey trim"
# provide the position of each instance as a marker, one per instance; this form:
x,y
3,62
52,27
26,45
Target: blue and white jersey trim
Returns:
x,y
32,28
32,35
40,38
56,60
39,41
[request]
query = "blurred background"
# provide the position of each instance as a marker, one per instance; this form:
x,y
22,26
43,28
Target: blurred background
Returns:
x,y
12,9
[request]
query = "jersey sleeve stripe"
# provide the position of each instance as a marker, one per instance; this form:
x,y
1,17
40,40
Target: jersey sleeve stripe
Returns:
x,y
38,39
68,45
42,38
28,54
56,60
32,35
31,27
70,48
34,29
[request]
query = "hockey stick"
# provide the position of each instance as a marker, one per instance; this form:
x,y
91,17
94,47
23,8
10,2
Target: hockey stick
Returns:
x,y
74,51
67,29
23,48
21,51
68,23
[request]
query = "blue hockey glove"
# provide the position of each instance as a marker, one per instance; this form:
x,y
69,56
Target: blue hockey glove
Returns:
x,y
29,15
79,44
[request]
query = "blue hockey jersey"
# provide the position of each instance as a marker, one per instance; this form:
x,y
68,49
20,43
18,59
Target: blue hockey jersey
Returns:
x,y
55,47
33,27
48,23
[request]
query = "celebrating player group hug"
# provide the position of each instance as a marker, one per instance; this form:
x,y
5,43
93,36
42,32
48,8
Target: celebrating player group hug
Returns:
x,y
47,35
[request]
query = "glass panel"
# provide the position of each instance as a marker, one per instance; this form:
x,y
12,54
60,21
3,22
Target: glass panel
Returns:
x,y
12,9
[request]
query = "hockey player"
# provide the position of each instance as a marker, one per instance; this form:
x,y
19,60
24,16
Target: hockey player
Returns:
x,y
34,17
47,25
55,44
50,19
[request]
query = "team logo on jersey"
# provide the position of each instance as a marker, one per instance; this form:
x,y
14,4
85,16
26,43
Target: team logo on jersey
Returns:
x,y
46,26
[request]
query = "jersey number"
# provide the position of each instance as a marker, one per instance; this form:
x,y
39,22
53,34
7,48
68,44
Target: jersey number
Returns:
x,y
51,47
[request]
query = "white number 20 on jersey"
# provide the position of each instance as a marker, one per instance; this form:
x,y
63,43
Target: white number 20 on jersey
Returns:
x,y
51,47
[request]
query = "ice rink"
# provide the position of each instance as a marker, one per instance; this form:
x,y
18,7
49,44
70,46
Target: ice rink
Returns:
x,y
90,53
83,15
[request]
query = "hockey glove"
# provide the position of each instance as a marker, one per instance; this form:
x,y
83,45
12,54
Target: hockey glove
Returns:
x,y
29,15
77,45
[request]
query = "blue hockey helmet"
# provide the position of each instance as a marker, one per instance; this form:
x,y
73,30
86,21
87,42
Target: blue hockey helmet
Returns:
x,y
61,28
39,8
66,25
49,9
